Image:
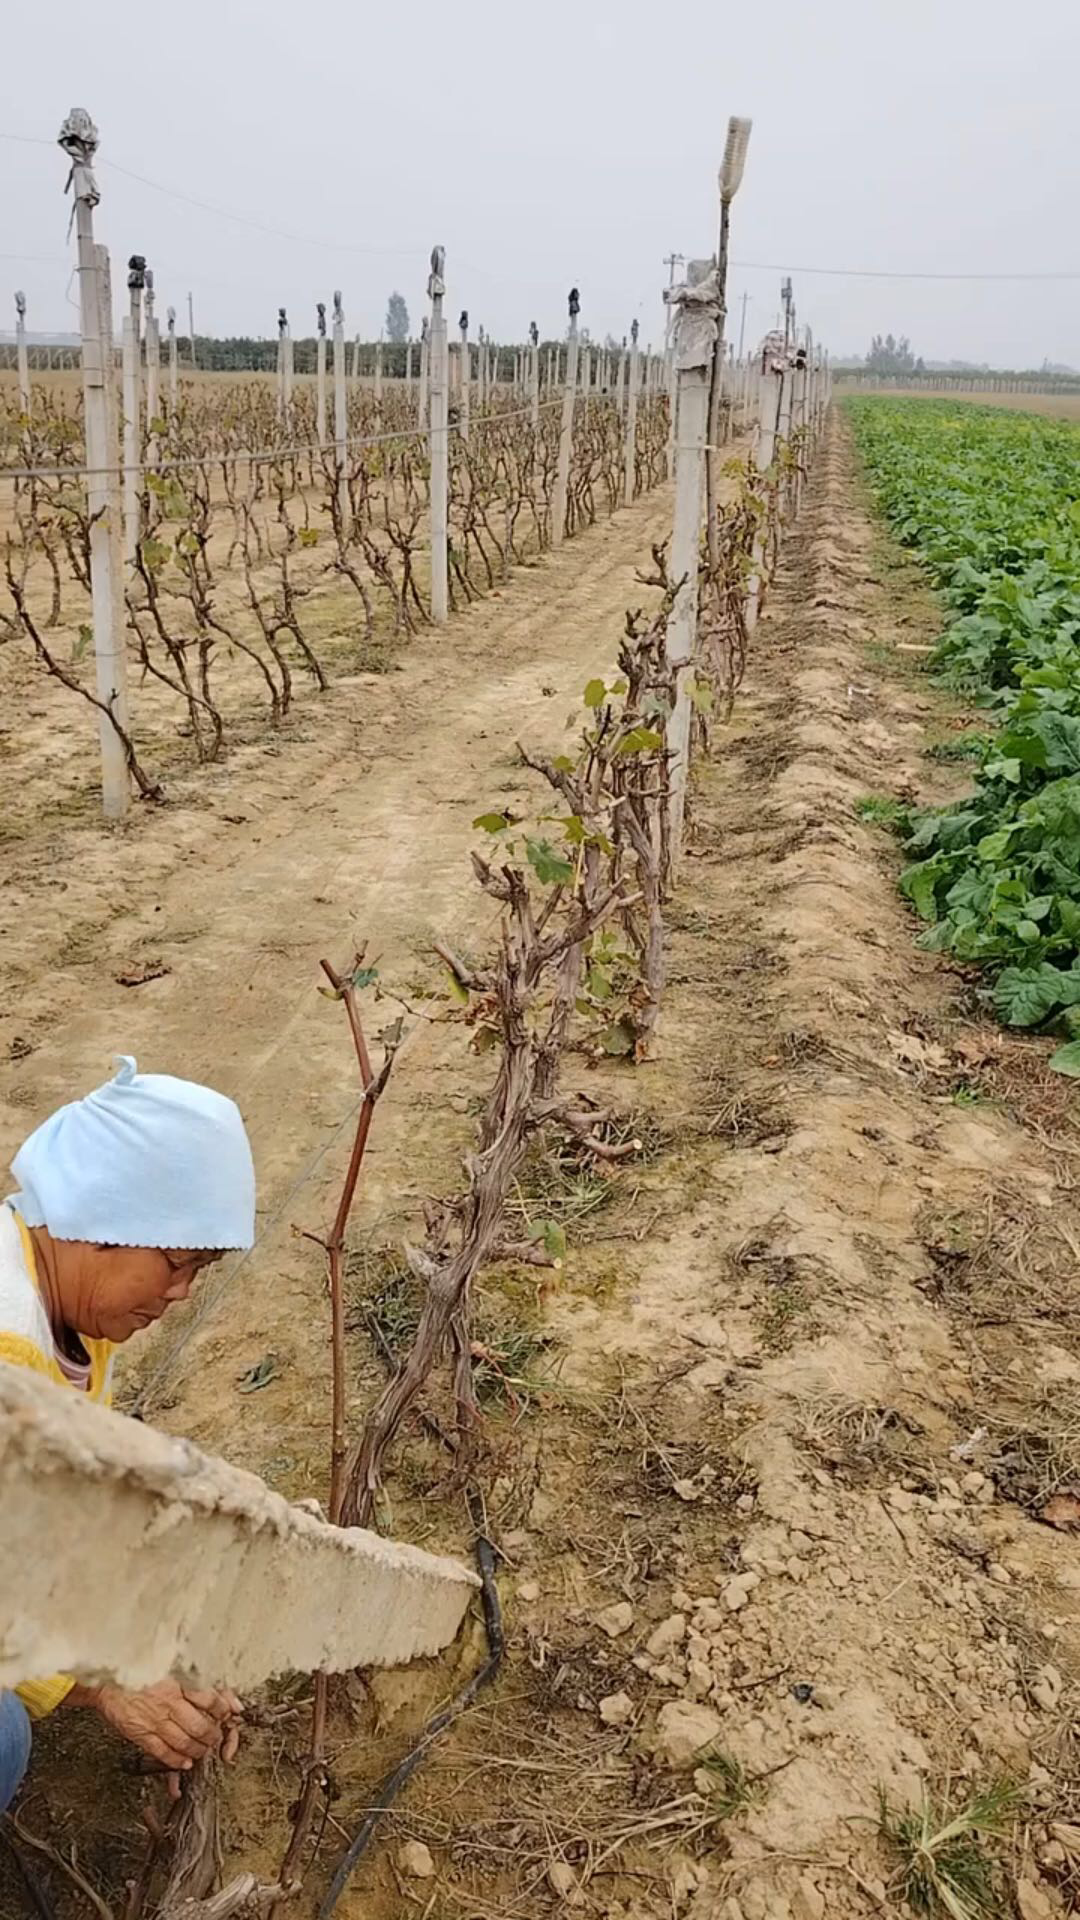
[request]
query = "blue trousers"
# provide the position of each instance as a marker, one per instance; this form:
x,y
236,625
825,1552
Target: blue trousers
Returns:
x,y
14,1746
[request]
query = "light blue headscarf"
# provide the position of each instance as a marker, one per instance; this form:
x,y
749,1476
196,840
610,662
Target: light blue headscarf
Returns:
x,y
144,1161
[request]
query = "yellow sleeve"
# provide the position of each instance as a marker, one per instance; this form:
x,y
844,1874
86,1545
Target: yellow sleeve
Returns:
x,y
40,1697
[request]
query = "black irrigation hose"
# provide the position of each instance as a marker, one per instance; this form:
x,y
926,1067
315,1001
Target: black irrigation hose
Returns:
x,y
41,1906
393,1783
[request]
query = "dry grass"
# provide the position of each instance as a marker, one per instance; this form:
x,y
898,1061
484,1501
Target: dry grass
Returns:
x,y
1036,1449
856,1438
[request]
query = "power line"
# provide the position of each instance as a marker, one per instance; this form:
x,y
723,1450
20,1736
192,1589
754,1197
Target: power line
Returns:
x,y
890,273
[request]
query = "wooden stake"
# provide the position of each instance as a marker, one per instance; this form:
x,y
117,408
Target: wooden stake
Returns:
x,y
566,430
79,139
439,445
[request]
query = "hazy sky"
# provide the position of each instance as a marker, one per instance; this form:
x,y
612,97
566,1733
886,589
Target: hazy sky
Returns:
x,y
558,143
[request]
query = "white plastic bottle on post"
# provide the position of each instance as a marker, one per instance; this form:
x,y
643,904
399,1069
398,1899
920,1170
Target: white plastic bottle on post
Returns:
x,y
79,140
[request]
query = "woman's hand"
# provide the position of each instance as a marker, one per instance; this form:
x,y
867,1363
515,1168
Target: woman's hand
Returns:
x,y
174,1725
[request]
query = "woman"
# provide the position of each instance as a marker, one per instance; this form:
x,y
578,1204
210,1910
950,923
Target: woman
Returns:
x,y
124,1197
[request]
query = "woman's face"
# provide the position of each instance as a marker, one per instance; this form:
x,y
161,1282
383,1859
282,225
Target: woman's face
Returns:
x,y
109,1293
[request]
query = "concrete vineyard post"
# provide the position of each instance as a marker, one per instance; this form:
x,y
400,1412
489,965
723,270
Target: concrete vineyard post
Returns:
x,y
425,361
534,375
320,373
21,354
153,372
783,421
437,357
191,330
464,376
114,477
673,403
79,139
132,342
340,416
623,369
286,406
281,365
772,382
631,420
695,334
378,376
408,370
173,358
729,180
566,429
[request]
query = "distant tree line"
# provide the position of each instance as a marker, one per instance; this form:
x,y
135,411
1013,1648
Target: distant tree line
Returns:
x,y
889,355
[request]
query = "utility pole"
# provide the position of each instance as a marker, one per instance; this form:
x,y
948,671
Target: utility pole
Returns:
x,y
671,261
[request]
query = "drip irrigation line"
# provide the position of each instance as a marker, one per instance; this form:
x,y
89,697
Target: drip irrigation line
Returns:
x,y
392,1784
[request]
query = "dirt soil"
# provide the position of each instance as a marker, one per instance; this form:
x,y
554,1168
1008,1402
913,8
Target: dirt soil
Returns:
x,y
772,1462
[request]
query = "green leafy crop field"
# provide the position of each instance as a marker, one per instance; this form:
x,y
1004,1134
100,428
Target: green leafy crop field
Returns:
x,y
990,504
